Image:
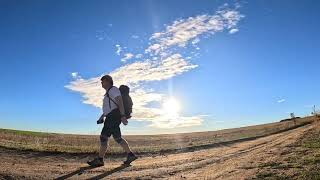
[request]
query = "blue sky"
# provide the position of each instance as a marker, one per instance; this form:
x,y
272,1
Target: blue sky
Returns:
x,y
256,63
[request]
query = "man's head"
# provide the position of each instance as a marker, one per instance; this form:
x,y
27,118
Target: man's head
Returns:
x,y
106,82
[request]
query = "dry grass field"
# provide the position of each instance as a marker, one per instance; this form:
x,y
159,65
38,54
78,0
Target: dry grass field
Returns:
x,y
51,142
283,150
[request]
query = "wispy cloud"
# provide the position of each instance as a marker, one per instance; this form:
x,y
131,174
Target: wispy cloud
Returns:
x,y
163,122
232,31
195,41
75,75
118,49
162,60
281,100
138,56
182,31
134,37
127,56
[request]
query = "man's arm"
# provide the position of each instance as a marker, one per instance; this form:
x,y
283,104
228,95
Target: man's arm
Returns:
x,y
121,109
102,116
101,119
120,104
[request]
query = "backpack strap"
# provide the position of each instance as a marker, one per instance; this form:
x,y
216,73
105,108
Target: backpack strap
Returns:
x,y
111,98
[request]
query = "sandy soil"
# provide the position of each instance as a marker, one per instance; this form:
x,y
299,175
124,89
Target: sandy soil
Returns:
x,y
229,161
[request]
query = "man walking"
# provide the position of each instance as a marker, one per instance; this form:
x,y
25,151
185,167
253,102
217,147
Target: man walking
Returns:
x,y
114,114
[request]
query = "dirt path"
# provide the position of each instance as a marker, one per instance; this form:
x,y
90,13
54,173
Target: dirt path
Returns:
x,y
235,161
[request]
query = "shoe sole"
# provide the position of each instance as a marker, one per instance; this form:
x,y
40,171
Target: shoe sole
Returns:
x,y
93,165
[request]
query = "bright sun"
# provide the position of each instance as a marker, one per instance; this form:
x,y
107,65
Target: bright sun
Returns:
x,y
171,107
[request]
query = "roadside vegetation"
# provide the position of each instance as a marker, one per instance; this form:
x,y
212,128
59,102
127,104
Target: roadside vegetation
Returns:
x,y
299,161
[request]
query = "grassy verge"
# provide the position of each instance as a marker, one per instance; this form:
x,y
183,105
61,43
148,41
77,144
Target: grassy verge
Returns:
x,y
302,161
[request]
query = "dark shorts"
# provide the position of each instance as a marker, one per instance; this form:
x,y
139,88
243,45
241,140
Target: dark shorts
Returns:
x,y
112,124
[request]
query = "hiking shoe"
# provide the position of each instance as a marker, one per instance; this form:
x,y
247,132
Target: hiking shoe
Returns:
x,y
96,162
131,157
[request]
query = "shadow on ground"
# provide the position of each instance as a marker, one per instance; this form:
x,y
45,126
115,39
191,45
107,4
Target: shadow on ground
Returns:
x,y
83,169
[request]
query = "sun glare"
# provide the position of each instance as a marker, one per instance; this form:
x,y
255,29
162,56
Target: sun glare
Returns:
x,y
171,107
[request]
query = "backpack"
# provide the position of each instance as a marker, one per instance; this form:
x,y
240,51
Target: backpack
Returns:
x,y
127,101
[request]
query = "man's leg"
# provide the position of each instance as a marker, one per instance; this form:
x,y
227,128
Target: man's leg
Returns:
x,y
98,161
124,144
103,145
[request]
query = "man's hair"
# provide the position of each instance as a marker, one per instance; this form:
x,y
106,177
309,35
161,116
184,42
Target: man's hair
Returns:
x,y
108,78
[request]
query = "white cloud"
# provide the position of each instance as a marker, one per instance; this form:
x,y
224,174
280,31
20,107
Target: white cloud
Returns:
x,y
127,56
134,75
155,47
75,75
169,123
196,41
119,49
143,71
100,38
161,61
185,30
138,56
134,37
232,31
281,100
